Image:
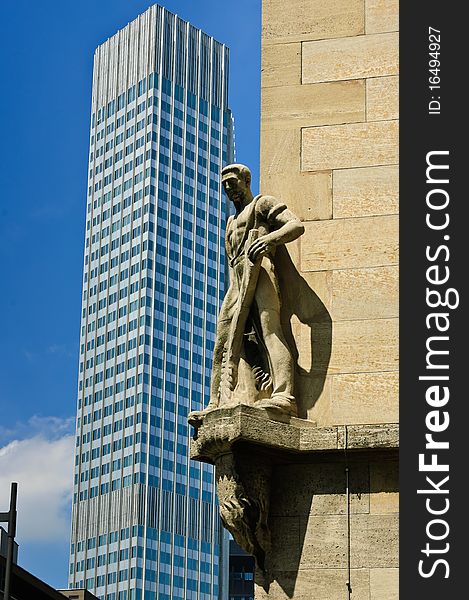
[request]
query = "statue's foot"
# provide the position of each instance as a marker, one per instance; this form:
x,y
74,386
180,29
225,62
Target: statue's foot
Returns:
x,y
284,404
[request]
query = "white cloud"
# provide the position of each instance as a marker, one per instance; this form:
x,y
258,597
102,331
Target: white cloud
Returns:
x,y
43,468
51,428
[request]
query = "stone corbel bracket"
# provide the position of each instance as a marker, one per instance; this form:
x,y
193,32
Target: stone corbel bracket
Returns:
x,y
243,442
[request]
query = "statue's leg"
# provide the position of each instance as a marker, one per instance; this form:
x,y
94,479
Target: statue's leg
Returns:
x,y
267,299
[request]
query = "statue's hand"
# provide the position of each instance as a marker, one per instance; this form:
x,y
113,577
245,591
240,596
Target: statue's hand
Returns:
x,y
260,247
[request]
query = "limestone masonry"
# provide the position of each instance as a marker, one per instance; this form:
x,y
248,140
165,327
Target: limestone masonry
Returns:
x,y
329,149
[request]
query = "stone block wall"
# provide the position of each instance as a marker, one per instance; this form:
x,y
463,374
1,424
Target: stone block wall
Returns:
x,y
310,546
329,149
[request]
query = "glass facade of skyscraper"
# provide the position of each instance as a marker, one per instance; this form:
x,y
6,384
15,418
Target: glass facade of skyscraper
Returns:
x,y
144,519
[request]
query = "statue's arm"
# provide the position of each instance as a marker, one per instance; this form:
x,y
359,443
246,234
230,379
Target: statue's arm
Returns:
x,y
285,227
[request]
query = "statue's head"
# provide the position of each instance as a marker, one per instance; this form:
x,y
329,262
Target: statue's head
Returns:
x,y
236,181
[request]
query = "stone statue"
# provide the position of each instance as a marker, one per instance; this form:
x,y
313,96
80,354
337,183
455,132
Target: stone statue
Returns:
x,y
252,362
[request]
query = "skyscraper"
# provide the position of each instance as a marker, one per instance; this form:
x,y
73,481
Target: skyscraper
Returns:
x,y
144,522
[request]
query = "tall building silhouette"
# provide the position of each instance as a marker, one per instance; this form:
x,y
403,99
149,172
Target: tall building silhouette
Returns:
x,y
144,520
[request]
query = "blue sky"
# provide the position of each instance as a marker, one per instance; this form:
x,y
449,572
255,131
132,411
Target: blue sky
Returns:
x,y
46,64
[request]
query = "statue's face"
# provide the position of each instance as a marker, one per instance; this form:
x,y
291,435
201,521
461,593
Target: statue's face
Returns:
x,y
235,186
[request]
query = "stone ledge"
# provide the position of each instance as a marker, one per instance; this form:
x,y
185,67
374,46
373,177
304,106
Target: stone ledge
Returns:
x,y
224,427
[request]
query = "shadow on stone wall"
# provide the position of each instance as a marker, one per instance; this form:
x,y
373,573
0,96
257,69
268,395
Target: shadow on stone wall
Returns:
x,y
308,521
301,303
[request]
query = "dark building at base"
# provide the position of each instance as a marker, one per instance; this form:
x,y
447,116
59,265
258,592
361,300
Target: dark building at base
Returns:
x,y
25,586
241,578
